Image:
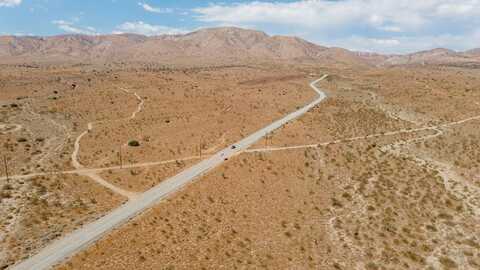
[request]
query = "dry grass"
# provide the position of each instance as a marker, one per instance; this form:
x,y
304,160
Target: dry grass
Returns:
x,y
259,211
36,211
349,204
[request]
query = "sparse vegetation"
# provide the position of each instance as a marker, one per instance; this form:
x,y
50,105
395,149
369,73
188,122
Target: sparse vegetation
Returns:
x,y
134,143
344,200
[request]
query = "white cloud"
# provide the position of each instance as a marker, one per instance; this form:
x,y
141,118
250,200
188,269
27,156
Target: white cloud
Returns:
x,y
391,28
387,25
326,13
143,28
321,13
407,44
458,8
70,27
149,8
10,3
388,42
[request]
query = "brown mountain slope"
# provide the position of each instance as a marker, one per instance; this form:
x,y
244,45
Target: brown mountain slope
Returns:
x,y
206,43
218,44
212,45
65,47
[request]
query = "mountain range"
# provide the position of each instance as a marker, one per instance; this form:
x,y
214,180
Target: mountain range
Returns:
x,y
226,44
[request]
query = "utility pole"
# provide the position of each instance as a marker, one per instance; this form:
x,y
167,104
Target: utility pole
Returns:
x,y
120,157
6,167
200,148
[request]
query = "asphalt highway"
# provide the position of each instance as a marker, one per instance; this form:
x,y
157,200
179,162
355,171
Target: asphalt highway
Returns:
x,y
80,239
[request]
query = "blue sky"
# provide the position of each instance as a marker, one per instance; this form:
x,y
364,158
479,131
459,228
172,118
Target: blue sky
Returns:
x,y
389,26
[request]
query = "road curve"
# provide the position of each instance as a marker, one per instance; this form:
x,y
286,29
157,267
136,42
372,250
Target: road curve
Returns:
x,y
78,240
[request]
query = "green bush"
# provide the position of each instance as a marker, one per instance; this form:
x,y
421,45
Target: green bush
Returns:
x,y
133,143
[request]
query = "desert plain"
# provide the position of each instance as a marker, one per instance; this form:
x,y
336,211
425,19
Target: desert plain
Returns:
x,y
382,174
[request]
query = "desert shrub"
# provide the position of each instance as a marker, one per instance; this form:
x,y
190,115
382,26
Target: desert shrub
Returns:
x,y
133,143
372,266
448,263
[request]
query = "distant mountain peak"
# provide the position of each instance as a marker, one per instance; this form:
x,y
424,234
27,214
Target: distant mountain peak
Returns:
x,y
232,44
219,43
475,52
435,51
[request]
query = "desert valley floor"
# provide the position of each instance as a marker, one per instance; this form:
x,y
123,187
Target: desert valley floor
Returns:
x,y
382,174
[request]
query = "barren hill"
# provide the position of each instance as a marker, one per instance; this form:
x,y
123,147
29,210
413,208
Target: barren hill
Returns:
x,y
213,44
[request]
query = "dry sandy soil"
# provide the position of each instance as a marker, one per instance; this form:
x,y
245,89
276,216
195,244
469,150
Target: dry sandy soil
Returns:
x,y
186,111
306,209
177,116
383,174
376,177
38,210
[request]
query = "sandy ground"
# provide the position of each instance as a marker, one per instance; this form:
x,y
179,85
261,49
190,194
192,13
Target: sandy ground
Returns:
x,y
36,211
339,206
361,195
173,114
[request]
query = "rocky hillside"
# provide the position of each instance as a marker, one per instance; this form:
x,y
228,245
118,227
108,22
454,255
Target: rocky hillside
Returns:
x,y
217,44
225,44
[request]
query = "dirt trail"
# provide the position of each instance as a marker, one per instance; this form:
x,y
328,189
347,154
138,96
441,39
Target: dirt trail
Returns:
x,y
81,170
140,104
376,135
60,146
103,169
57,137
80,239
453,183
93,175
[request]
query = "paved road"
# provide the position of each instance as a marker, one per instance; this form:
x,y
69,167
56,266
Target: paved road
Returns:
x,y
78,240
269,149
